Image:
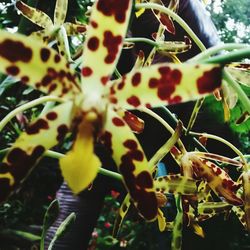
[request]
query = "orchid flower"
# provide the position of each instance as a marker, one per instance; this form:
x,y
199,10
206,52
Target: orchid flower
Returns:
x,y
175,184
92,104
218,180
167,48
50,30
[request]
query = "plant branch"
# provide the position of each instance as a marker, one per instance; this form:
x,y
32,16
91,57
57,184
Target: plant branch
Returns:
x,y
177,18
26,106
233,56
142,40
229,144
217,49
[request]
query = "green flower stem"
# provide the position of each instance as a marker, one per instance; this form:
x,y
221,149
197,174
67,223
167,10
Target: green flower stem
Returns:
x,y
117,73
56,155
233,56
177,18
142,40
174,121
102,171
194,114
241,94
216,49
229,144
26,106
166,125
63,35
48,106
245,156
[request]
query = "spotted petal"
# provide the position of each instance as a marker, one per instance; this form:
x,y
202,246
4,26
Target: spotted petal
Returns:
x,y
164,19
74,28
80,165
40,135
107,28
135,123
35,15
246,188
213,208
176,184
175,47
164,84
219,181
240,72
130,159
36,65
60,12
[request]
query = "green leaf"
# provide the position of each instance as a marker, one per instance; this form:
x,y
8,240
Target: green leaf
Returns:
x,y
49,218
62,229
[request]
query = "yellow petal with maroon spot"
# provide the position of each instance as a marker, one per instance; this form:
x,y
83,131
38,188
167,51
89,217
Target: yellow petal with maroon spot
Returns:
x,y
107,28
41,35
132,164
135,123
60,12
35,15
164,84
240,72
213,208
165,19
74,29
80,165
239,212
42,134
36,65
246,188
218,180
176,184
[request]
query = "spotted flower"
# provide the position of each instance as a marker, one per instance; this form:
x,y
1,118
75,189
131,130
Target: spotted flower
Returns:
x,y
57,29
94,104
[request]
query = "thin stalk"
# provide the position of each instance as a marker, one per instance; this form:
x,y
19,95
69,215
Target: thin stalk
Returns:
x,y
173,120
102,171
26,106
177,18
241,94
233,56
194,114
229,144
217,49
117,73
165,124
62,34
48,106
142,40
